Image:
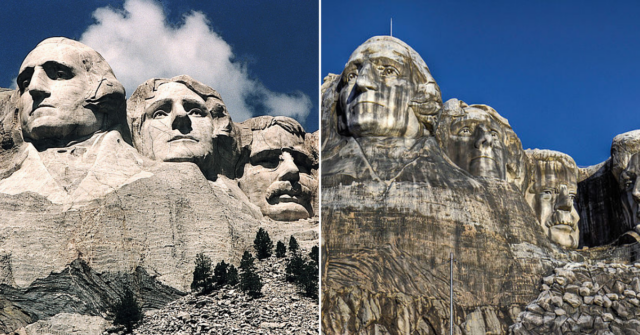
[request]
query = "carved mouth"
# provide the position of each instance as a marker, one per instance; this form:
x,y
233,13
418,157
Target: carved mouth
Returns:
x,y
285,192
183,138
40,106
483,156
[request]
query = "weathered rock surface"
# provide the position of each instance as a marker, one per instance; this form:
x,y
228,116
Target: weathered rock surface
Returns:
x,y
609,305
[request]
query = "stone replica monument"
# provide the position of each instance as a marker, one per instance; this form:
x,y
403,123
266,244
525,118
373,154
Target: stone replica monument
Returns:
x,y
551,194
98,193
407,181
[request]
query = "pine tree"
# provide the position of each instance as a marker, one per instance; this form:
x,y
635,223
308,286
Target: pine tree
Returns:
x,y
262,244
281,250
220,276
249,280
308,279
293,244
232,276
202,274
127,311
294,268
314,254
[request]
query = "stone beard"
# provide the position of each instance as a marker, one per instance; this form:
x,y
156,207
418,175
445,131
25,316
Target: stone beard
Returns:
x,y
631,190
476,143
551,195
278,176
379,84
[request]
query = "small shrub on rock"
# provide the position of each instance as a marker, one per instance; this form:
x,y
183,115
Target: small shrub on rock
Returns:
x,y
202,274
293,244
250,282
127,311
281,250
232,276
262,244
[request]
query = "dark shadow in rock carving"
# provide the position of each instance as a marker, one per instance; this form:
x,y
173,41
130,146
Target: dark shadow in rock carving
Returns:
x,y
605,195
279,169
79,289
551,193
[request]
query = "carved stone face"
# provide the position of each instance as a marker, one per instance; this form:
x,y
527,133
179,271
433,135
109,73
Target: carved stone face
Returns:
x,y
551,197
53,88
177,126
476,144
630,185
378,86
278,176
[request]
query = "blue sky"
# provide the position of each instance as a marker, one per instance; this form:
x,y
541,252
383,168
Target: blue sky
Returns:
x,y
262,56
565,73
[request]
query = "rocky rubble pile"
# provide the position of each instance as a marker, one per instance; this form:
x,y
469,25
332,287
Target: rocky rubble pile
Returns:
x,y
585,299
282,309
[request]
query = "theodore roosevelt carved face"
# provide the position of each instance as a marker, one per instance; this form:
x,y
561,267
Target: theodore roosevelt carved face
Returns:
x,y
386,90
551,194
278,176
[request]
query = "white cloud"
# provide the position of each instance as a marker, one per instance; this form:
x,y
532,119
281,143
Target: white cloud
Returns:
x,y
139,45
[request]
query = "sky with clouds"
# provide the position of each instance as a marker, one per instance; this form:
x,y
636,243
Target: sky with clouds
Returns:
x,y
564,73
258,64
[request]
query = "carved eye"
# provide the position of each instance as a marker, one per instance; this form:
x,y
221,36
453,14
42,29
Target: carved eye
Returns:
x,y
351,76
494,134
159,114
628,184
390,71
60,74
547,194
26,82
196,112
465,131
269,162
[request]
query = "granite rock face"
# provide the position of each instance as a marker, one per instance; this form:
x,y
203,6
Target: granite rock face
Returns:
x,y
85,211
407,180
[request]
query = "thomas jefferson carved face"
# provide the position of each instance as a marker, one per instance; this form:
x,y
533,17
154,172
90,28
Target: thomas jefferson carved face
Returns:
x,y
476,144
177,126
53,87
551,196
378,86
630,185
278,176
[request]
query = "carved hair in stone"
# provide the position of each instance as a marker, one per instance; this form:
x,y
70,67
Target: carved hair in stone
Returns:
x,y
550,194
278,175
67,92
387,90
182,120
625,167
481,142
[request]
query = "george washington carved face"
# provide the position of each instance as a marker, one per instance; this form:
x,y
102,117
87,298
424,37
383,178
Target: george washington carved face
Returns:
x,y
384,89
58,82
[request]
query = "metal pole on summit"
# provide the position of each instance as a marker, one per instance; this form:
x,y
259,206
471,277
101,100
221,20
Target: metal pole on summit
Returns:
x,y
451,293
391,34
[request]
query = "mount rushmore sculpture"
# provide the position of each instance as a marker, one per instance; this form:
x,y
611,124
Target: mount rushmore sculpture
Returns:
x,y
98,190
408,180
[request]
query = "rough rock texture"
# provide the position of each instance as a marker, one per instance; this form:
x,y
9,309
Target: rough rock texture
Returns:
x,y
281,309
585,299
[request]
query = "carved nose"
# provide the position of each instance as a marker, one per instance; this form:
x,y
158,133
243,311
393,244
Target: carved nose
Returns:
x,y
636,191
564,202
39,85
483,138
288,169
366,80
181,120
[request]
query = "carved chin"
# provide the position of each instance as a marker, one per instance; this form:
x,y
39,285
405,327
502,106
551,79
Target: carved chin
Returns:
x,y
564,236
286,211
484,167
